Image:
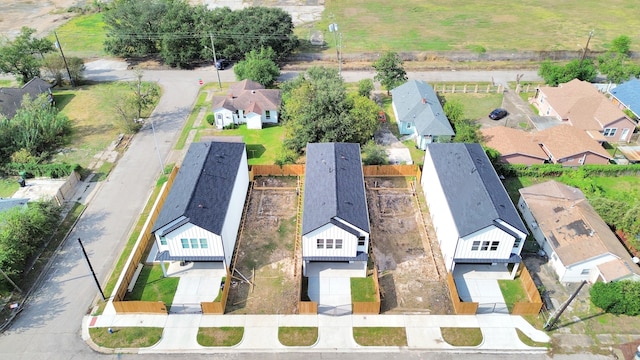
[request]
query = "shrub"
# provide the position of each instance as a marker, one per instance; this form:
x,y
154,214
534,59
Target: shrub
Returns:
x,y
374,154
620,297
40,170
211,119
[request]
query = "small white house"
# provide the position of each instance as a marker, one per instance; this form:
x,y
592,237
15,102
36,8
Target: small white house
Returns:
x,y
200,218
474,219
335,220
578,242
249,103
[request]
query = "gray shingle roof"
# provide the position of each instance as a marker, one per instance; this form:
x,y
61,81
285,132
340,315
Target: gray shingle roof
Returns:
x,y
417,102
9,203
11,98
202,189
472,188
334,186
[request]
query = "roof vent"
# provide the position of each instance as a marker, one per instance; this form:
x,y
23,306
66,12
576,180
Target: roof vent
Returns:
x,y
253,91
424,100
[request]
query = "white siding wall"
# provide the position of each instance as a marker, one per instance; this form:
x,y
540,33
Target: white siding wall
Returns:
x,y
443,223
273,117
254,121
234,212
574,272
227,117
329,231
489,234
190,231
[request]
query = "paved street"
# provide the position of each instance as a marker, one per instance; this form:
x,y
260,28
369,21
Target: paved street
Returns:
x,y
49,326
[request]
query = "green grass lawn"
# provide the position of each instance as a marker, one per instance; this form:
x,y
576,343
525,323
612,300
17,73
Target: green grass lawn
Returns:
x,y
363,289
152,286
512,291
297,336
462,336
222,336
502,25
476,106
380,336
83,36
263,145
8,186
128,337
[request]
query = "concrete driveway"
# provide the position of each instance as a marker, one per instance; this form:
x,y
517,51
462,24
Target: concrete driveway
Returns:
x,y
330,286
479,283
199,282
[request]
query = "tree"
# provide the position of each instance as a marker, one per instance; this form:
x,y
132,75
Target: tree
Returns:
x,y
467,131
17,57
131,105
454,110
132,27
390,71
76,68
54,67
618,297
259,67
621,45
178,45
365,87
316,108
554,74
374,154
36,127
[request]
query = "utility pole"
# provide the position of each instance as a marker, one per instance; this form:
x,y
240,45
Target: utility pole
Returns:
x,y
333,28
215,60
95,278
586,47
554,318
73,83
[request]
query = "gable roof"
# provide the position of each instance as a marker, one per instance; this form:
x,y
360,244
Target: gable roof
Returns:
x,y
510,141
565,141
628,93
582,104
334,187
474,192
572,227
201,192
249,96
416,102
11,98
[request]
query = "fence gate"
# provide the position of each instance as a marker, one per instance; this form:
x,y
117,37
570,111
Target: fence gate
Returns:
x,y
186,308
334,310
488,308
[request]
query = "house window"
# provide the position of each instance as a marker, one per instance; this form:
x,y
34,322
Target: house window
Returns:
x,y
485,246
585,272
204,244
610,132
494,245
267,114
163,240
475,246
408,125
361,241
517,243
338,243
320,244
185,243
329,243
194,243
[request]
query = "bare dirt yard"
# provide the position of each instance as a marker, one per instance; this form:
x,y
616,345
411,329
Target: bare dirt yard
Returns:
x,y
411,271
44,16
265,253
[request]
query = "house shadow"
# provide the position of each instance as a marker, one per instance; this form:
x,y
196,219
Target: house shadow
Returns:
x,y
388,287
63,100
255,151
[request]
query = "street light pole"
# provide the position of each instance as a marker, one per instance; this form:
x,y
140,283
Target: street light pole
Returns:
x,y
155,141
215,60
95,278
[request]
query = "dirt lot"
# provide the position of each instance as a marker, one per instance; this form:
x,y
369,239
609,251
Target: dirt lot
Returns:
x,y
265,252
582,327
43,16
410,266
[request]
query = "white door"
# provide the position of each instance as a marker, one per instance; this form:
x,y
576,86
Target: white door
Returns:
x,y
625,133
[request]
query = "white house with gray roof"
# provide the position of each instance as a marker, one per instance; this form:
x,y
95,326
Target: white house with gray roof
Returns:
x,y
419,113
200,218
473,216
335,219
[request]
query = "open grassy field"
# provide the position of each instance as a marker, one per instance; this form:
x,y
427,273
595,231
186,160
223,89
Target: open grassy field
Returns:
x,y
82,36
418,25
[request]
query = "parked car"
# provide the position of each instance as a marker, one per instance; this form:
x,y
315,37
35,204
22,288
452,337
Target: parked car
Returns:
x,y
498,114
222,64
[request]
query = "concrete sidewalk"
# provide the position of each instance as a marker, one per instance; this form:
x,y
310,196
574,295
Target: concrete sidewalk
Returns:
x,y
335,333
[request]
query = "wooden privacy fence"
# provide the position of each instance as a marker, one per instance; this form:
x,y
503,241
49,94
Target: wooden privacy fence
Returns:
x,y
533,306
135,258
276,170
371,307
392,170
460,307
217,307
307,307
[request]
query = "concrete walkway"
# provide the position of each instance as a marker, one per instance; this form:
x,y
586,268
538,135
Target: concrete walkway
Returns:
x,y
334,332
